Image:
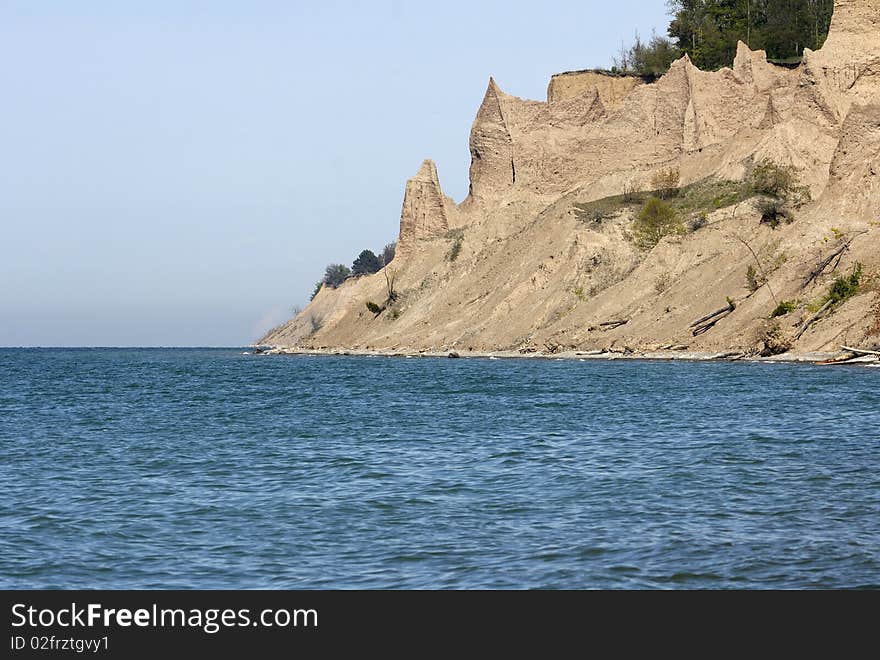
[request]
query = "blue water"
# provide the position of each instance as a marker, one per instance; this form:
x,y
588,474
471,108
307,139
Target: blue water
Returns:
x,y
208,469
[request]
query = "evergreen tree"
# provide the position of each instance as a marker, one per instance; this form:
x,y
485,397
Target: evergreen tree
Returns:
x,y
367,263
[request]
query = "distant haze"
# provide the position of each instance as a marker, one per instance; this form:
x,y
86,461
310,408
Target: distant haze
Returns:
x,y
179,173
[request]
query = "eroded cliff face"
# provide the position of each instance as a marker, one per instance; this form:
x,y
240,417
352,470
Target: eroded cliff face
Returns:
x,y
426,210
612,90
531,271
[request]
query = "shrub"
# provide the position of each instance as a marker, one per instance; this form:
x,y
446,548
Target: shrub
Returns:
x,y
455,248
775,341
597,216
336,274
666,183
773,212
631,192
663,283
769,178
388,253
390,276
374,308
785,307
778,181
367,263
318,285
649,59
656,220
316,323
754,280
700,221
845,287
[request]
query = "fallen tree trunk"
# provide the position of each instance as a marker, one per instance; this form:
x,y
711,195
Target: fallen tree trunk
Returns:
x,y
818,315
608,325
674,347
729,308
860,351
852,359
703,325
703,329
837,254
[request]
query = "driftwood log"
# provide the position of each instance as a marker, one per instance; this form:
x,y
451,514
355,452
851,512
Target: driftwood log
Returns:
x,y
706,323
608,325
852,356
837,254
860,351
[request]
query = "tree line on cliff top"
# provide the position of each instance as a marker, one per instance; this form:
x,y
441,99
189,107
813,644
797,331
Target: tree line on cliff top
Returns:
x,y
366,263
708,31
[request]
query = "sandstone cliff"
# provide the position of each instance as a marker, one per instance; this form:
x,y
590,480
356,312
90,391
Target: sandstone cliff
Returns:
x,y
523,263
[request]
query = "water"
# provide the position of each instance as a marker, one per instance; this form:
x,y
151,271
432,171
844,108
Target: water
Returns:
x,y
208,469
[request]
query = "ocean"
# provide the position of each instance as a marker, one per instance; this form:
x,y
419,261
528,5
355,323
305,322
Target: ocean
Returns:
x,y
207,468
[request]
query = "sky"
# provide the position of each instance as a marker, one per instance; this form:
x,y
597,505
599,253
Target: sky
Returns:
x,y
179,173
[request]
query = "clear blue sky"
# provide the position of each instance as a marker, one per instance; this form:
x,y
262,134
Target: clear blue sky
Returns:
x,y
179,173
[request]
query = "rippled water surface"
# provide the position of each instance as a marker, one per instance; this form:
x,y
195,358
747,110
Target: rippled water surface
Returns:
x,y
208,468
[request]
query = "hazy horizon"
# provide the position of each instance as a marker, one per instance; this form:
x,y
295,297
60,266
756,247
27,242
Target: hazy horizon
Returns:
x,y
179,174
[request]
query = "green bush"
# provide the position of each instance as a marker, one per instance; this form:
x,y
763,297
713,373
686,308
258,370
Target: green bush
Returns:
x,y
779,182
374,308
774,212
845,287
785,307
656,220
317,290
754,280
768,178
649,59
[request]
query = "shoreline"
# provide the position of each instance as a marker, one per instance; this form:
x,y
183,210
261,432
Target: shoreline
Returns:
x,y
814,358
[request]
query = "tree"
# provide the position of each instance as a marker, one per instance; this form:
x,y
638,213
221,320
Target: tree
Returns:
x,y
649,60
388,253
779,184
666,183
656,220
336,274
708,30
367,263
